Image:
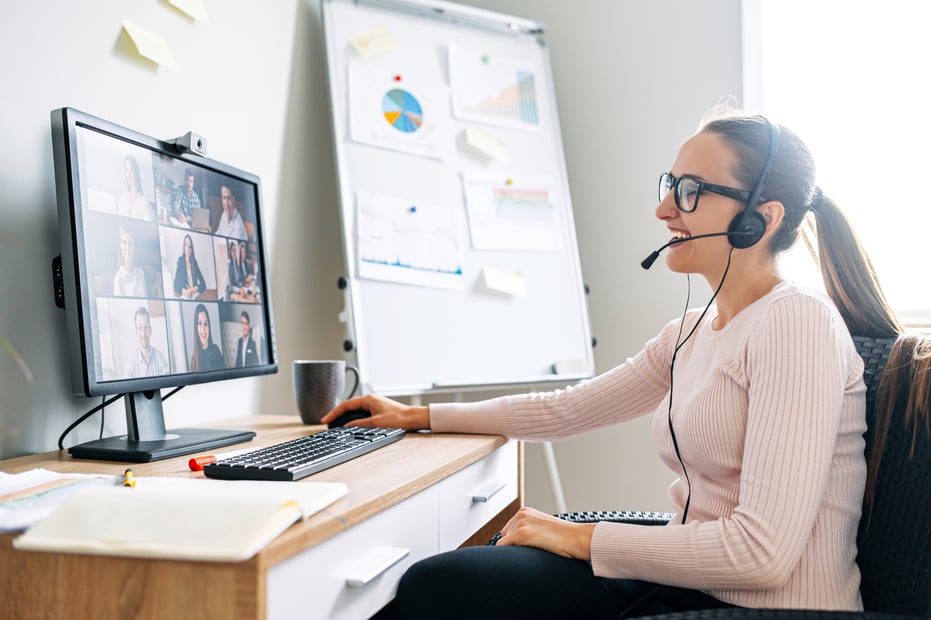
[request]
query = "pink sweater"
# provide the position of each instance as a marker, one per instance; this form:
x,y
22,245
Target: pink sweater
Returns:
x,y
769,414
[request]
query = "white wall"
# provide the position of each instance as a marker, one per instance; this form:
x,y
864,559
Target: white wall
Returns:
x,y
632,80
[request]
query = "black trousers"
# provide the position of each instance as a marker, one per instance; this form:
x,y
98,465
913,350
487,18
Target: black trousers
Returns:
x,y
512,582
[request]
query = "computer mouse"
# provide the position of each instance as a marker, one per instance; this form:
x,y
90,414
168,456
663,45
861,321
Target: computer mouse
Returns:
x,y
349,416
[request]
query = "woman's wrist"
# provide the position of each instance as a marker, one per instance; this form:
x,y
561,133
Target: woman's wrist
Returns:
x,y
582,549
423,415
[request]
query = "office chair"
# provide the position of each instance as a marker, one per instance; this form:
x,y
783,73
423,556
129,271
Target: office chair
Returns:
x,y
894,537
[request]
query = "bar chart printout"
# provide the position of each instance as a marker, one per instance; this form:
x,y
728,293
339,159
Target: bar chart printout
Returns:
x,y
496,90
511,215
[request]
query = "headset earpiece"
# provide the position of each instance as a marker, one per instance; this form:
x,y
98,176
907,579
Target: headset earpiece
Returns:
x,y
748,227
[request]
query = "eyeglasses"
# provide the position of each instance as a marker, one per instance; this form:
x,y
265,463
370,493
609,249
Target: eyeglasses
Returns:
x,y
687,191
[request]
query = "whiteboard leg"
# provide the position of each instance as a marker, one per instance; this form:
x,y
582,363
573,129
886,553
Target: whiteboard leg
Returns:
x,y
549,458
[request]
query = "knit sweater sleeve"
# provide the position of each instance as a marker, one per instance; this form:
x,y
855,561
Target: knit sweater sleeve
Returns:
x,y
627,391
795,373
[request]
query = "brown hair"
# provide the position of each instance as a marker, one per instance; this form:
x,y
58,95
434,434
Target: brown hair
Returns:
x,y
848,274
904,390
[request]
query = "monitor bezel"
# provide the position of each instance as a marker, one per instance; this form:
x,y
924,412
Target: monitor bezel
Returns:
x,y
78,300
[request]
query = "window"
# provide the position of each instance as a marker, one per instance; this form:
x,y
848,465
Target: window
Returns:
x,y
851,78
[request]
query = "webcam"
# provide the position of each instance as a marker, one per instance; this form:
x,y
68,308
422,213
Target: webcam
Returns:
x,y
191,143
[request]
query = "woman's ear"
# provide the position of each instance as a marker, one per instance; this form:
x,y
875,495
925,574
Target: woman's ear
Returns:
x,y
773,212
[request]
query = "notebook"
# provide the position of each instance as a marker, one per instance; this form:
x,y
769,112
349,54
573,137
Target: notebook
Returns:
x,y
178,518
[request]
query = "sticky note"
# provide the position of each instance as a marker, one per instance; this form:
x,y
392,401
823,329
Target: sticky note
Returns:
x,y
192,8
150,44
486,144
373,42
505,280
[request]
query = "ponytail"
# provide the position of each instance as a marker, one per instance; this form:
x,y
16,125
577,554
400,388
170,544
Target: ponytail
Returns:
x,y
849,277
848,274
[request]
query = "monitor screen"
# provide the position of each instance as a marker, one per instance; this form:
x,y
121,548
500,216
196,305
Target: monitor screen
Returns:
x,y
163,275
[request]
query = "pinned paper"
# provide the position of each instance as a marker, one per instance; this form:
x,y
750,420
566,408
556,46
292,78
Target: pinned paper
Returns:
x,y
192,8
486,144
373,42
505,280
150,44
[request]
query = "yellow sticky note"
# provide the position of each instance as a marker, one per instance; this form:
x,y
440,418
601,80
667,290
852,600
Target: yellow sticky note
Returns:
x,y
150,44
486,144
505,280
193,8
373,42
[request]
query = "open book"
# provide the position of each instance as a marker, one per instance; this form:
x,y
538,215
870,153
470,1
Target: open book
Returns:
x,y
180,518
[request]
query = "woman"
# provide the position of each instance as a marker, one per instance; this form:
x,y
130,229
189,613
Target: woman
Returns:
x,y
235,271
132,202
758,407
189,281
129,279
206,355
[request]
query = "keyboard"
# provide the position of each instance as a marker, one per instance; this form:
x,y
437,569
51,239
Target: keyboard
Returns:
x,y
297,458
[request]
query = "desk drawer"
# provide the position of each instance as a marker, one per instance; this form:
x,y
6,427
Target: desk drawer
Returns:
x,y
472,497
355,573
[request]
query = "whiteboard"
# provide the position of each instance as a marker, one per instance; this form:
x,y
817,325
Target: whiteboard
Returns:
x,y
462,265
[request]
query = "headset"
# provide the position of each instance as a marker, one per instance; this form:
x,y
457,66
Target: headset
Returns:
x,y
747,228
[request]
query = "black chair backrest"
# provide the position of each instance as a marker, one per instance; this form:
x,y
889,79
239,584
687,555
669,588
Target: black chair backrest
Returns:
x,y
894,539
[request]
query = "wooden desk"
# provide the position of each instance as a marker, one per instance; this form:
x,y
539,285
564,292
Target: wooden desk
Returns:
x,y
414,494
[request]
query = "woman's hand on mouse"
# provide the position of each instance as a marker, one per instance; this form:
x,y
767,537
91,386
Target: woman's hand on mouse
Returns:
x,y
385,413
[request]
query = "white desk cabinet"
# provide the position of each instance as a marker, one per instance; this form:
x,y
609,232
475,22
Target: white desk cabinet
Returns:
x,y
355,573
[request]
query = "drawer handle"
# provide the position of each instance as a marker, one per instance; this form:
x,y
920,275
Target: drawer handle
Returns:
x,y
487,491
377,562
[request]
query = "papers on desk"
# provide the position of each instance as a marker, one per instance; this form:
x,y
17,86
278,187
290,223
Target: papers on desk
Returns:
x,y
27,497
179,518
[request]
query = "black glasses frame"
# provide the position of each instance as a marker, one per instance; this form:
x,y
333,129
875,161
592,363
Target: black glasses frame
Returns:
x,y
669,183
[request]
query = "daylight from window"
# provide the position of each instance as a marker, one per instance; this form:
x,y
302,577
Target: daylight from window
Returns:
x,y
851,78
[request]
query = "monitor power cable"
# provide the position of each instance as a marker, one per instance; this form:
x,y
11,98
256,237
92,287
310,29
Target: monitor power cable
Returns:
x,y
73,425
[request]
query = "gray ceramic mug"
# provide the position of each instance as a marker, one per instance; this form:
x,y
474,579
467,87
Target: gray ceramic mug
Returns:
x,y
320,385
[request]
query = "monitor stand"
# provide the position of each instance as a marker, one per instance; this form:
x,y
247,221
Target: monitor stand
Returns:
x,y
147,440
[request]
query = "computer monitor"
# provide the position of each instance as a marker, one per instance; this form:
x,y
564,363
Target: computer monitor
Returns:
x,y
162,275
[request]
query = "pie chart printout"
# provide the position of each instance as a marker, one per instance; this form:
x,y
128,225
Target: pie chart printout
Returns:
x,y
402,110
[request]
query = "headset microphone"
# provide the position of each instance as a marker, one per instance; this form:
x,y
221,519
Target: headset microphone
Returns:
x,y
649,260
749,226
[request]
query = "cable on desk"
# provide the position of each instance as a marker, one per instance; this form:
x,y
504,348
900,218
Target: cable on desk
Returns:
x,y
73,425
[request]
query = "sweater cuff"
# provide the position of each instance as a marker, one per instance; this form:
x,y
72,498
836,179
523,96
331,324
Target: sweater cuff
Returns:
x,y
479,417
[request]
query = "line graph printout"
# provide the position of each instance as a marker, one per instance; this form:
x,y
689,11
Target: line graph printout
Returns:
x,y
493,89
397,111
409,242
511,214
